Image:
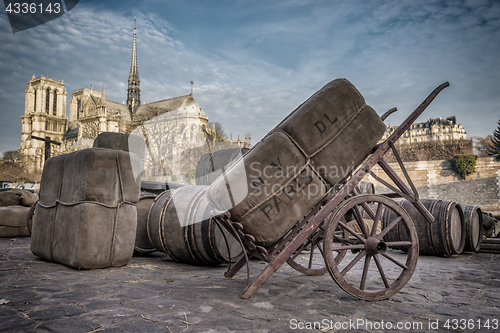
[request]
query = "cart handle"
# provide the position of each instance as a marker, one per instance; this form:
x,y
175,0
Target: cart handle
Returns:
x,y
388,113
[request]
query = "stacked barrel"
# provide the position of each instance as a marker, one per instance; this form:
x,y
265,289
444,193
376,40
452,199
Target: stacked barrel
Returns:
x,y
457,227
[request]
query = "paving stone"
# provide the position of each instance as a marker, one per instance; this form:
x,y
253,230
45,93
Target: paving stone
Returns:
x,y
155,294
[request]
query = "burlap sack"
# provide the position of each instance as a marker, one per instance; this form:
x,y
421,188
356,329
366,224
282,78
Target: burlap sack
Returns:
x,y
290,170
86,215
17,196
13,221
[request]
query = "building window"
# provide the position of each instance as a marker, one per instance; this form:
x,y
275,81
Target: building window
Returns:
x,y
54,107
47,100
34,104
54,127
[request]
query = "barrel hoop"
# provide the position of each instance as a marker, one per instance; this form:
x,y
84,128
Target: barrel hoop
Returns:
x,y
463,226
163,239
445,227
158,202
152,214
480,237
209,244
428,227
139,249
189,236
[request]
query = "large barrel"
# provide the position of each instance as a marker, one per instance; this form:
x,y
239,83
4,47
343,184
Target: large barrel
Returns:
x,y
281,178
211,165
142,242
365,188
443,237
180,225
473,218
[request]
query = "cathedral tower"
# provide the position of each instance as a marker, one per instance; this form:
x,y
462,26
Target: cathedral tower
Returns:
x,y
133,91
44,116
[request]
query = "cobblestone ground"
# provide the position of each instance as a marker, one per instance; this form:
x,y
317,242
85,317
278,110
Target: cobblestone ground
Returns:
x,y
154,294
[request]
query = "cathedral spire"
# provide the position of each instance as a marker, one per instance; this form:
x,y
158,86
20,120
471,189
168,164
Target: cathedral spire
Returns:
x,y
103,95
133,91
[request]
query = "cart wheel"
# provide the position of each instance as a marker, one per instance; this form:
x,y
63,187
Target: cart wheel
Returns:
x,y
309,258
392,269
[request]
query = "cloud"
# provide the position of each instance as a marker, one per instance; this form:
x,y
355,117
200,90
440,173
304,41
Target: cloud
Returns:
x,y
257,62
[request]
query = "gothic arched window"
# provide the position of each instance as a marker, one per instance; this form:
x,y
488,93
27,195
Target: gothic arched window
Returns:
x,y
34,104
54,107
47,99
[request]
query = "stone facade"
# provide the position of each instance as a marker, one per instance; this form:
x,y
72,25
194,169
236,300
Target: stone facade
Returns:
x,y
438,180
434,129
44,116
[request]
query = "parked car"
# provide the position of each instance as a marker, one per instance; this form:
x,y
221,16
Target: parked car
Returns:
x,y
25,186
5,184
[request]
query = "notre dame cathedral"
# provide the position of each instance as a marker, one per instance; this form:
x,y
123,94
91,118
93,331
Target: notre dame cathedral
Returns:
x,y
183,122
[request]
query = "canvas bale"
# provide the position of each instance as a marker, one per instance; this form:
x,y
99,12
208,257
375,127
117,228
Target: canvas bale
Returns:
x,y
335,129
277,182
119,141
13,221
277,189
17,196
86,215
211,165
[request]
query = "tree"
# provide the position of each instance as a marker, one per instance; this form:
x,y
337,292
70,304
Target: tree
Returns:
x,y
495,142
220,134
11,156
464,164
482,145
12,169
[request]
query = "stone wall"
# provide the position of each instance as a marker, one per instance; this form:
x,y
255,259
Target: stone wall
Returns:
x,y
437,180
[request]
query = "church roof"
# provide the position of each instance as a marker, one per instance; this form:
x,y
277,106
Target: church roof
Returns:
x,y
150,110
118,108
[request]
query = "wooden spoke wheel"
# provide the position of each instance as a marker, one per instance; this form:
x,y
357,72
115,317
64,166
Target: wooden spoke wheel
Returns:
x,y
309,257
391,269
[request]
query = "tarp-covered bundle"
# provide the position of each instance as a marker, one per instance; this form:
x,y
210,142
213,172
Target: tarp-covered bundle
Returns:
x,y
86,216
16,196
276,183
14,221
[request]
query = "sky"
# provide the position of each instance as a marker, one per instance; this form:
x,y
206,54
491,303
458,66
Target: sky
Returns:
x,y
254,61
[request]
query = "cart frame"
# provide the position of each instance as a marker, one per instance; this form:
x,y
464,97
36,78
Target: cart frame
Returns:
x,y
303,232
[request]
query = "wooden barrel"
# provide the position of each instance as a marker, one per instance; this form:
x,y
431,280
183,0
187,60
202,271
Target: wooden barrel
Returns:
x,y
180,225
443,237
142,242
473,218
366,188
220,160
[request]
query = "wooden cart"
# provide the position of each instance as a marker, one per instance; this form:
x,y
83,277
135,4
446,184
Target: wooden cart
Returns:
x,y
326,230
